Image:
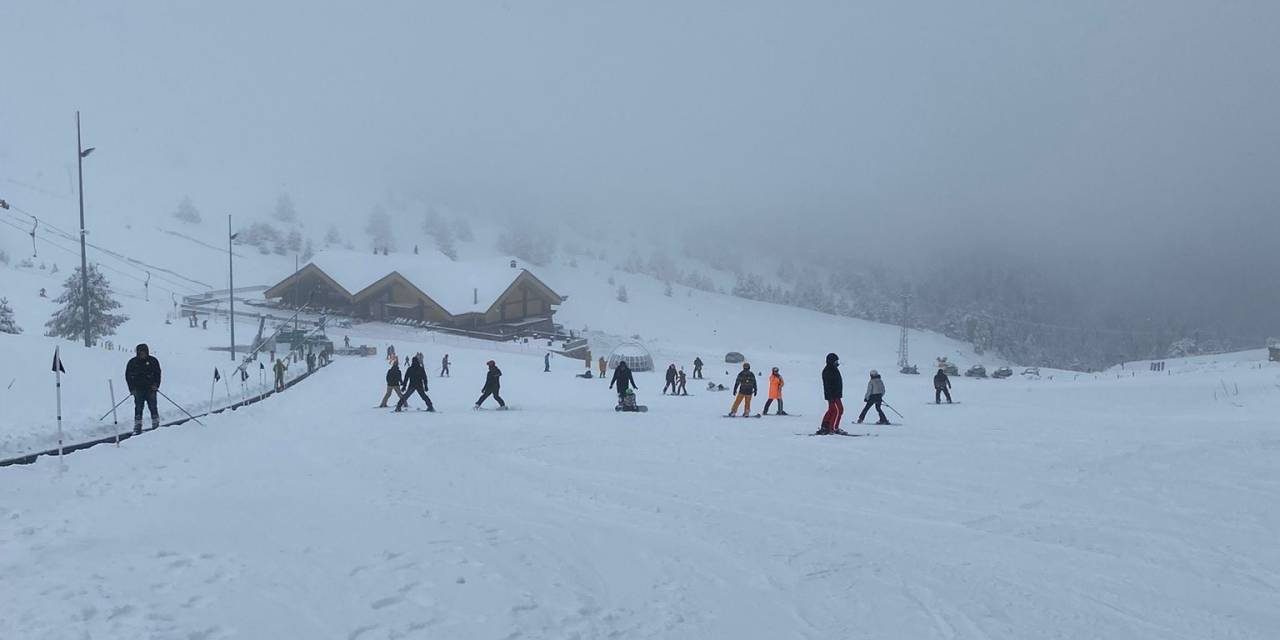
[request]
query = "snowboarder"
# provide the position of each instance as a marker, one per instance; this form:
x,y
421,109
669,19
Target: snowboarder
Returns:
x,y
394,382
604,366
444,366
623,379
492,385
873,398
941,386
681,379
833,392
697,368
671,380
142,376
744,388
415,379
279,369
775,392
546,362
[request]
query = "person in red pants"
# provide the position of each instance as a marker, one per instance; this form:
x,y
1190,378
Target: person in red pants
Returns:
x,y
833,391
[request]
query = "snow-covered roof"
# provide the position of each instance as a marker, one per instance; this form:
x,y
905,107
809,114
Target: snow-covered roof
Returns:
x,y
452,284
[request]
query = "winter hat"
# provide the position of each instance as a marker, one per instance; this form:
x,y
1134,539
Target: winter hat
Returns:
x,y
875,374
491,363
746,366
832,358
775,369
142,346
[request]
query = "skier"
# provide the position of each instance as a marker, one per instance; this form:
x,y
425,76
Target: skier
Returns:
x,y
279,369
391,353
142,376
775,392
546,362
697,368
492,384
744,388
394,381
873,398
415,379
941,386
833,392
671,380
604,366
346,341
444,366
681,379
623,379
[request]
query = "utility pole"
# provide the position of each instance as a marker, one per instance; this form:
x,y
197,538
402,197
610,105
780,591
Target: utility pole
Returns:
x,y
81,153
902,338
231,287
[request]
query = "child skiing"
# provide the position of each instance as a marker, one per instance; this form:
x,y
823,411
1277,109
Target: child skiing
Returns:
x,y
874,398
833,392
941,386
744,388
492,385
681,379
394,381
415,379
444,366
775,392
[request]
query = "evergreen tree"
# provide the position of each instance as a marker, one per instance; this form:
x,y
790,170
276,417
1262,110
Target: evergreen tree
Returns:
x,y
294,240
667,291
622,293
462,230
379,230
187,211
284,209
68,322
7,323
332,238
307,252
444,242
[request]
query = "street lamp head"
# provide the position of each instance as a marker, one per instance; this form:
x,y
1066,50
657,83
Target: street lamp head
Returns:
x,y
86,152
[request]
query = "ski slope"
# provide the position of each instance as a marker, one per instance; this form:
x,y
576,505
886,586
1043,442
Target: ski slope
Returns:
x,y
1099,507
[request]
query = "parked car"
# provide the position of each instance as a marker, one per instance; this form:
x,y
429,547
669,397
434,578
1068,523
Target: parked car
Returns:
x,y
976,371
1031,371
910,369
949,368
1002,372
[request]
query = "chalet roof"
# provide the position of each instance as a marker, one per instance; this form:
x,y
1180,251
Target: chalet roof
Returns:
x,y
452,284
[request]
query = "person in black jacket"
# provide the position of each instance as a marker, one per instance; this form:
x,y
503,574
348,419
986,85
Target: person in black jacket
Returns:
x,y
492,384
744,388
415,379
941,386
142,375
697,368
833,391
623,379
671,380
394,380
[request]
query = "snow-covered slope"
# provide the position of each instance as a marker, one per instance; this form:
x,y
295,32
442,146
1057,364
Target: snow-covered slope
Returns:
x,y
1100,507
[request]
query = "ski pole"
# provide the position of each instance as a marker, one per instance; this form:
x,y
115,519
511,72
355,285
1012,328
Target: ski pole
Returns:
x,y
112,409
892,409
179,407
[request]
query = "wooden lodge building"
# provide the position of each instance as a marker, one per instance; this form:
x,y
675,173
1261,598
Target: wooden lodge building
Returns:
x,y
494,296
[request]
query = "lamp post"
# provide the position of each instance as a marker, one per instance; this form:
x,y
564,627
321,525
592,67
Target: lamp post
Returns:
x,y
81,154
231,288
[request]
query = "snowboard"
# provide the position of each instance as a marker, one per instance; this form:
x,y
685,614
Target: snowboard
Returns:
x,y
640,408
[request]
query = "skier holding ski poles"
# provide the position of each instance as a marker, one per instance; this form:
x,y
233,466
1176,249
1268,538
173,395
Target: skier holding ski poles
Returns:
x,y
833,392
874,398
142,376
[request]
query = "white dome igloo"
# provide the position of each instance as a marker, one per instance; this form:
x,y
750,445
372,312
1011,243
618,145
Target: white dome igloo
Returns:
x,y
634,354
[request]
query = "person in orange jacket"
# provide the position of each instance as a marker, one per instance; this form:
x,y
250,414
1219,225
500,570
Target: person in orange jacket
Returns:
x,y
775,392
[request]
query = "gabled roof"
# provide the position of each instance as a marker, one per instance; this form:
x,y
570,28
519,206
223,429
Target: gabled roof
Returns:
x,y
459,287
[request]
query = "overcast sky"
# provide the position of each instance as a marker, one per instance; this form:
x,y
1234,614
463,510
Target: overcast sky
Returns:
x,y
1134,143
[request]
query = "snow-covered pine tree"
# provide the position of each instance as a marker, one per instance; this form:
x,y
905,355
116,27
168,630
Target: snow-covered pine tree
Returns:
x,y
622,293
332,238
7,323
307,251
379,230
294,240
187,211
462,230
666,290
444,242
68,322
284,209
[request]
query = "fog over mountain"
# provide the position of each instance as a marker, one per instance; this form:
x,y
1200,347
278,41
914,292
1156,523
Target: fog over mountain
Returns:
x,y
1119,158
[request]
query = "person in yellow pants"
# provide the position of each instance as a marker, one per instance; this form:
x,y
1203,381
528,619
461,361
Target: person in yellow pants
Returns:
x,y
744,388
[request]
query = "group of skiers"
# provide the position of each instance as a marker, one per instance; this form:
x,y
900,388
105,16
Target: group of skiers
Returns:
x,y
414,380
744,389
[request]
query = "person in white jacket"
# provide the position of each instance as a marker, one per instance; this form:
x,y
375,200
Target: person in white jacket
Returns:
x,y
873,398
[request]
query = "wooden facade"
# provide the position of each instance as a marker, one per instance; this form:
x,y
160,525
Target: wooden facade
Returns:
x,y
526,303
